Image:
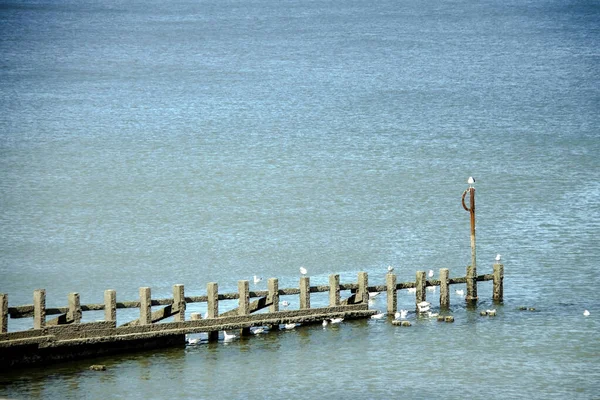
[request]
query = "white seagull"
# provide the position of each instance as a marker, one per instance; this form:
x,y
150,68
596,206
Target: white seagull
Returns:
x,y
460,292
471,181
586,313
498,258
303,271
430,273
336,320
390,269
290,326
285,303
325,323
378,316
432,315
412,290
373,294
258,330
227,337
192,341
401,315
423,306
257,279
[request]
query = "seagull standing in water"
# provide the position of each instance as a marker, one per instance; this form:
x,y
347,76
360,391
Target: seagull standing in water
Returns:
x,y
227,337
378,316
401,315
336,320
303,271
586,313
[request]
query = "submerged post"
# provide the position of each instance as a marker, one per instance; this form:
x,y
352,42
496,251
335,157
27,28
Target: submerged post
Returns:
x,y
110,305
334,290
421,282
392,293
39,308
179,302
145,306
444,288
74,313
3,313
471,272
498,283
304,292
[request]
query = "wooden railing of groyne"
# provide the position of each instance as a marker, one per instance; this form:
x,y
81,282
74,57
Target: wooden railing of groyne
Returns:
x,y
66,337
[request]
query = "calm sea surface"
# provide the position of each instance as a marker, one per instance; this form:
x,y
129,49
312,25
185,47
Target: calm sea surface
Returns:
x,y
151,143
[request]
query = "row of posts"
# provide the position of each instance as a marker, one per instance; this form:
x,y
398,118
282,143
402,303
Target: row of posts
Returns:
x,y
74,312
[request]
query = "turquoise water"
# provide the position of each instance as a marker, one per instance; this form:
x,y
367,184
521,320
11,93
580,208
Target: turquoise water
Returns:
x,y
151,144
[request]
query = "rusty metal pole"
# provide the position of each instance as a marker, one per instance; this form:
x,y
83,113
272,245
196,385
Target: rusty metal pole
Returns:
x,y
472,271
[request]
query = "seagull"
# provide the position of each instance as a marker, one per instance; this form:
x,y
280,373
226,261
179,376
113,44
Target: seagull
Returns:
x,y
378,316
491,312
402,314
430,273
303,271
423,306
412,290
390,269
257,279
460,292
336,320
373,294
290,326
471,181
227,337
325,323
432,315
259,330
285,303
498,258
586,313
190,340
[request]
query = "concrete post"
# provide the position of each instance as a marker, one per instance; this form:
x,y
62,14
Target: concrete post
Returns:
x,y
3,313
304,292
110,305
244,303
334,290
362,295
498,283
74,313
179,302
212,290
39,308
444,288
420,287
392,293
273,286
145,306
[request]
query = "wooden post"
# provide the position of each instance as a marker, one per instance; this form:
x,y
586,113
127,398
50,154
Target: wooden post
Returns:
x,y
110,305
471,296
244,303
273,286
334,290
304,292
362,295
498,283
392,293
212,290
179,302
444,288
420,284
3,313
145,306
39,308
74,313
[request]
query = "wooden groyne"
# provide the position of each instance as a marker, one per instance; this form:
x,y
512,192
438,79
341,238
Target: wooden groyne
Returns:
x,y
66,337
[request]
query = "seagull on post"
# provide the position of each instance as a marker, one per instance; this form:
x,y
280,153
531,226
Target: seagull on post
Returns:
x,y
498,258
303,271
471,181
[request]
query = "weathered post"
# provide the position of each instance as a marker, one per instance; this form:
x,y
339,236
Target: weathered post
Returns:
x,y
145,306
179,302
212,290
471,272
444,288
392,293
39,308
74,313
362,295
334,290
110,305
498,283
420,283
304,293
273,286
244,303
3,313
